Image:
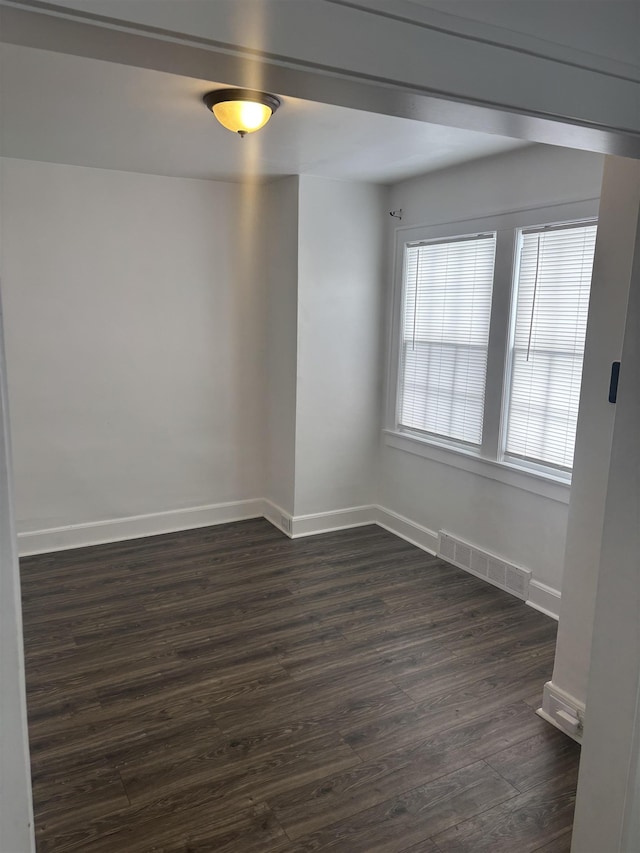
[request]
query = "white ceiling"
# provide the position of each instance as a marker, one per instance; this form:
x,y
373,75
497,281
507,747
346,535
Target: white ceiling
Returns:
x,y
79,111
593,27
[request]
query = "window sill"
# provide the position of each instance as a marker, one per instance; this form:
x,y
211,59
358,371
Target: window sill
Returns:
x,y
546,485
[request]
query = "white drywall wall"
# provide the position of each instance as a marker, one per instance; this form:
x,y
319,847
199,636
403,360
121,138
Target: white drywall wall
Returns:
x,y
536,176
134,344
606,807
16,811
619,205
341,262
280,235
525,528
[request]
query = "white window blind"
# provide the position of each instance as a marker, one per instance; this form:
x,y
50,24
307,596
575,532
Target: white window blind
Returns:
x,y
552,301
445,333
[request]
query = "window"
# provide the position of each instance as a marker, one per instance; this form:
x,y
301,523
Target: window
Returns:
x,y
445,336
550,323
490,340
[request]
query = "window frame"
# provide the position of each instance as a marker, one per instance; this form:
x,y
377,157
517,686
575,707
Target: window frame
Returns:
x,y
434,436
489,458
509,458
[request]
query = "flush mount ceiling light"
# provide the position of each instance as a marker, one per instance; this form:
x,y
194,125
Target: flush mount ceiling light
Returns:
x,y
241,110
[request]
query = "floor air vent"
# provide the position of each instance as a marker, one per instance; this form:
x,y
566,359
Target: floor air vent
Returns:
x,y
511,578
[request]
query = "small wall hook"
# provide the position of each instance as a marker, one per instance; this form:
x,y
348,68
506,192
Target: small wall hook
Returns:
x,y
397,214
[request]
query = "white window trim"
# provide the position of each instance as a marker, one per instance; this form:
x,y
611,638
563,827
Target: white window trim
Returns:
x,y
524,463
487,460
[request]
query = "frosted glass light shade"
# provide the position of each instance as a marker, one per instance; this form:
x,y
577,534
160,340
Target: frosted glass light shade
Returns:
x,y
242,115
241,110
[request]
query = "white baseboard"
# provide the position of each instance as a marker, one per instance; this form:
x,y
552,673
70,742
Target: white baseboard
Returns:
x,y
544,598
541,597
406,529
358,516
325,522
343,519
277,516
135,527
562,710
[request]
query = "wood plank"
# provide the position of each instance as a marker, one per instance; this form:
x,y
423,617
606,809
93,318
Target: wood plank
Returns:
x,y
341,796
230,689
426,846
537,760
414,815
561,844
522,823
77,793
234,766
403,728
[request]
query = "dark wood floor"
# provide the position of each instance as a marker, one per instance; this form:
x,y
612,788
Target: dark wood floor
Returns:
x,y
230,690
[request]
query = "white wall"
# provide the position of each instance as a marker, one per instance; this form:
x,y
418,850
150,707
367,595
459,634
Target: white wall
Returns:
x,y
607,808
323,324
16,811
536,176
134,350
525,528
612,275
280,223
341,262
